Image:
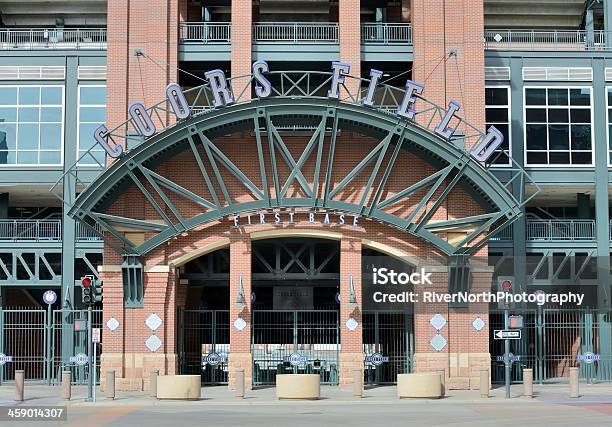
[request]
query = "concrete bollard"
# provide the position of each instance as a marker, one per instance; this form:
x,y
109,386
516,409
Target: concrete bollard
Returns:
x,y
109,389
574,386
153,383
442,374
19,382
357,383
484,383
66,385
240,383
528,382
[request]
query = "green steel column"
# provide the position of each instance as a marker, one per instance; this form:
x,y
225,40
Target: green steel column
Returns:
x,y
602,217
4,203
69,193
519,229
608,20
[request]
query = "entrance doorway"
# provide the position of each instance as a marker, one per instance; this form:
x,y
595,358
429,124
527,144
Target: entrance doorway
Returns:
x,y
295,284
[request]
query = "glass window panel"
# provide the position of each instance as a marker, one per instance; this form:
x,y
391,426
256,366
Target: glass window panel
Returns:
x,y
29,96
8,114
580,115
496,96
50,136
536,158
51,96
557,96
580,96
581,137
610,136
609,97
8,138
8,95
93,157
28,137
536,115
8,157
29,114
558,137
497,115
503,128
558,115
536,137
581,158
93,114
559,158
51,114
93,95
50,157
535,96
27,157
500,158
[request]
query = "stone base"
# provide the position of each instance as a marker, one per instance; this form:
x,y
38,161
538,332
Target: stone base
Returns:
x,y
462,370
243,361
348,363
133,370
298,386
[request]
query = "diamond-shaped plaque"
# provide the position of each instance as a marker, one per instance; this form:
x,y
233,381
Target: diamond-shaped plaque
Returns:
x,y
153,322
478,324
497,37
351,324
438,342
438,321
240,324
153,343
112,323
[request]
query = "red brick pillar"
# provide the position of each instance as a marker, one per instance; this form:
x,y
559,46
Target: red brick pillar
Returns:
x,y
112,340
240,355
349,27
351,341
439,27
242,34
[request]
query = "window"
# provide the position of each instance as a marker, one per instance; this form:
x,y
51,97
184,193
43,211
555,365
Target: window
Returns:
x,y
31,125
497,101
558,126
92,113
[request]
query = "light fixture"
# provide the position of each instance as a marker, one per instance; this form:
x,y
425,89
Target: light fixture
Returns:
x,y
240,303
352,297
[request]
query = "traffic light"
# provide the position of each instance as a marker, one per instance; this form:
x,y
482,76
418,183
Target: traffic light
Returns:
x,y
87,290
98,291
504,284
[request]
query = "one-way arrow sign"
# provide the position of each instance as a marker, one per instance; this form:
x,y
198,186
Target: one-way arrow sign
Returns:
x,y
507,334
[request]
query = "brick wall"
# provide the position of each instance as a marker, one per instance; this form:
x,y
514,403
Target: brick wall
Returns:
x,y
242,19
349,29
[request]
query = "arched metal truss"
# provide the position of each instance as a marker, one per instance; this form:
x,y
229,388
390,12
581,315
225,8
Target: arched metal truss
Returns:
x,y
299,102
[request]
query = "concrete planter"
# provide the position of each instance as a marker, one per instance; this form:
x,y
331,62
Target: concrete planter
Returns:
x,y
425,385
183,387
298,386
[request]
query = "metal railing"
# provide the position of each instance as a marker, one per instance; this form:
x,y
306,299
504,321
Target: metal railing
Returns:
x,y
545,40
206,32
549,230
47,230
296,32
53,38
386,33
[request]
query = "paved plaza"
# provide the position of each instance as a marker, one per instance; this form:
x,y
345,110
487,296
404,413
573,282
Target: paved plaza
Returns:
x,y
551,406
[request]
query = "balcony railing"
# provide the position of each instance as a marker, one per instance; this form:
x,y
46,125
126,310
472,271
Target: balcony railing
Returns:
x,y
44,230
85,234
206,32
546,40
541,230
386,33
53,38
296,32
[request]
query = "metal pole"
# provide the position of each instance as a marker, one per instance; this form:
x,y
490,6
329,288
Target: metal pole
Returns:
x,y
48,343
507,354
89,354
95,348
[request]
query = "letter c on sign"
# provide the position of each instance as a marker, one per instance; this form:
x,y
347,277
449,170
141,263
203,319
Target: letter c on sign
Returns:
x,y
101,137
141,119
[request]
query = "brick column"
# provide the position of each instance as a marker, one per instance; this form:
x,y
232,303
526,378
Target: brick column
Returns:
x,y
351,342
242,34
349,28
113,341
240,355
439,27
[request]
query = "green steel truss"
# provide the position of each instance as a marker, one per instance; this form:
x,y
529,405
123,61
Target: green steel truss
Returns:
x,y
298,103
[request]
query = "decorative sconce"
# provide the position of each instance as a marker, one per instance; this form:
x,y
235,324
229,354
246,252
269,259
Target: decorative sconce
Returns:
x,y
352,296
240,301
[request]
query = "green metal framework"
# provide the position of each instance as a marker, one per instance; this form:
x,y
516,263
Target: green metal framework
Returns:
x,y
299,102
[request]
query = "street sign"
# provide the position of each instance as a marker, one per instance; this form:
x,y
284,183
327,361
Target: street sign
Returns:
x,y
4,358
95,335
516,321
80,325
507,334
80,359
49,297
511,357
